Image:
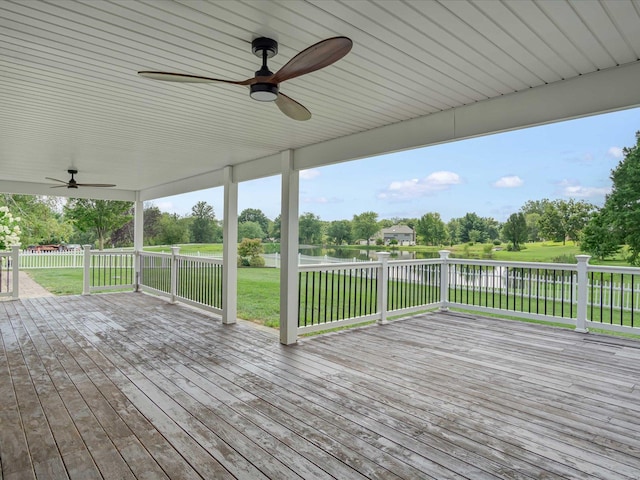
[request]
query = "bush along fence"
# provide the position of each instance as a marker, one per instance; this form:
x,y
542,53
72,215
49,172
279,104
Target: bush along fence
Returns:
x,y
581,295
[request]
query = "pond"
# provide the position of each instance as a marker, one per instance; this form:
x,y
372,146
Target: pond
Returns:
x,y
363,254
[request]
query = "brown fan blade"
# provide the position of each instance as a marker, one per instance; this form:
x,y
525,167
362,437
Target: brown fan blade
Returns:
x,y
317,56
95,185
291,108
60,186
56,180
181,77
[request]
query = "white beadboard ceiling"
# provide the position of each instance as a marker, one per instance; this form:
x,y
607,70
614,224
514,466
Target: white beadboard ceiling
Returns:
x,y
420,72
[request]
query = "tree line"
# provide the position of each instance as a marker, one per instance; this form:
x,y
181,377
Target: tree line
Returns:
x,y
600,231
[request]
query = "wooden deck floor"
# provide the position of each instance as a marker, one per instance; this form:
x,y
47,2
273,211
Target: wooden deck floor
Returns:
x,y
128,386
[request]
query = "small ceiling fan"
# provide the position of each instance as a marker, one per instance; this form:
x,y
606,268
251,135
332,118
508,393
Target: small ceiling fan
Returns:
x,y
73,184
265,85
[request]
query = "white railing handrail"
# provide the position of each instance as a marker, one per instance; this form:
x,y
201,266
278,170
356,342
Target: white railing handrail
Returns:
x,y
192,258
338,266
613,269
416,261
507,263
154,254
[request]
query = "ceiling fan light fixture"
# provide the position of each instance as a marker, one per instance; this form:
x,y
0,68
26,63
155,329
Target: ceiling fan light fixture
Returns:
x,y
264,92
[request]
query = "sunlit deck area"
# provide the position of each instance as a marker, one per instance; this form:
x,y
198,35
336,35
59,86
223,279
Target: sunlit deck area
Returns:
x,y
129,386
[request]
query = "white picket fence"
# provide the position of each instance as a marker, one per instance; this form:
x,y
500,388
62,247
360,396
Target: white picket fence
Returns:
x,y
36,260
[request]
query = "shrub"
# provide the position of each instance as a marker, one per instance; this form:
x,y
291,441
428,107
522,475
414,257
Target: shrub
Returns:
x,y
256,261
497,242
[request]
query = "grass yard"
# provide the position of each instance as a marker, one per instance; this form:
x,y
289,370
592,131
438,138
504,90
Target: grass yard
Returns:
x,y
258,290
59,281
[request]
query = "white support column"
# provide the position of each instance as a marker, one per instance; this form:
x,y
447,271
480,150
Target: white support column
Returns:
x,y
230,249
86,269
138,237
583,287
15,271
444,280
174,274
383,286
289,251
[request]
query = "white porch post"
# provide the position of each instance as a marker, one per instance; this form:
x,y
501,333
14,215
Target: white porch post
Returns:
x,y
289,251
138,236
15,271
383,286
444,280
230,249
174,274
583,287
86,269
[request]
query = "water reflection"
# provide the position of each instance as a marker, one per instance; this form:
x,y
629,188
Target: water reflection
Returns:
x,y
350,253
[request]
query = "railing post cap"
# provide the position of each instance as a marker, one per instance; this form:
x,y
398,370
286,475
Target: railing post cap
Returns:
x,y
583,258
175,250
382,255
444,253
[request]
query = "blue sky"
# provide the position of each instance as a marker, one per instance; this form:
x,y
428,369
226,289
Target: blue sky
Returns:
x,y
492,176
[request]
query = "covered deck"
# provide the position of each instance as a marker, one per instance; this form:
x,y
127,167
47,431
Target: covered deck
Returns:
x,y
126,385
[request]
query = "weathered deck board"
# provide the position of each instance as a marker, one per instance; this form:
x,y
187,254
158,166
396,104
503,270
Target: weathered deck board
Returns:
x,y
128,386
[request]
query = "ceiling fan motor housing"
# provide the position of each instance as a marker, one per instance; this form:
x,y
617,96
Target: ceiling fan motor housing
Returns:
x,y
263,91
264,44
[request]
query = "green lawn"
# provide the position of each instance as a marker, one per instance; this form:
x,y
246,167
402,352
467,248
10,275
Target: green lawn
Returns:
x,y
258,290
59,281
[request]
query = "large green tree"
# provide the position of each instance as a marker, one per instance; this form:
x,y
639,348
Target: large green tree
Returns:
x,y
310,229
565,219
99,216
432,229
515,230
339,232
250,230
203,226
365,225
600,237
255,215
172,230
622,205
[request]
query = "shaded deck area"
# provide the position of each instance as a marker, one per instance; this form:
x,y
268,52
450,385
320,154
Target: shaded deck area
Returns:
x,y
128,386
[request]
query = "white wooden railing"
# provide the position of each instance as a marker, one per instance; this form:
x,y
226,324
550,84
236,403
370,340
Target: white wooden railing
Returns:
x,y
580,295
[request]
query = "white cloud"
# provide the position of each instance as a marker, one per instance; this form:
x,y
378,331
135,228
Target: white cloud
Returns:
x,y
309,174
615,152
165,206
573,189
415,188
511,181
